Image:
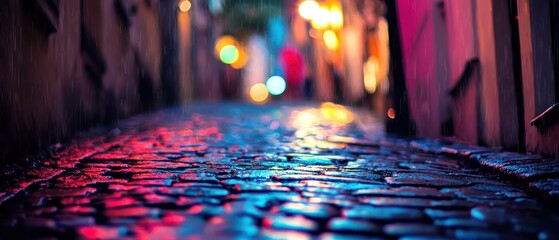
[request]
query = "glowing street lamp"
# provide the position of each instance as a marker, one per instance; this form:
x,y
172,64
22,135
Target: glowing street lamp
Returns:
x,y
336,17
184,6
321,18
308,8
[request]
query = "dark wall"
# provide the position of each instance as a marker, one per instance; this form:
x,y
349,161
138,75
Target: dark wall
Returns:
x,y
66,65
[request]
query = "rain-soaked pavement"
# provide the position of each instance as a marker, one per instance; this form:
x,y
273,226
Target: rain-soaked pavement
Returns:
x,y
221,171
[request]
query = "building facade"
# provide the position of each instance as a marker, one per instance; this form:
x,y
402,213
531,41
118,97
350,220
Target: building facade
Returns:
x,y
69,65
483,71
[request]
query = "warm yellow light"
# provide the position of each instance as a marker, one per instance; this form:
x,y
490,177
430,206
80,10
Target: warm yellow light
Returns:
x,y
321,18
223,41
328,110
370,69
304,119
335,113
230,51
336,17
259,93
184,6
370,83
331,40
371,65
308,8
241,61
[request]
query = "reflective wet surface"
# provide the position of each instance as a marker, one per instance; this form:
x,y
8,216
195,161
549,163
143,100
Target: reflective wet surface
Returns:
x,y
295,171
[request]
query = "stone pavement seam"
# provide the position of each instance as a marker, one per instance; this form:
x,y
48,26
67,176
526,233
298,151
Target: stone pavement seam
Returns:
x,y
535,173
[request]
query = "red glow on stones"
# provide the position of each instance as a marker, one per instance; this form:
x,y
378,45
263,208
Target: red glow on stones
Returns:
x,y
208,131
267,222
91,232
217,220
126,201
196,209
173,219
228,206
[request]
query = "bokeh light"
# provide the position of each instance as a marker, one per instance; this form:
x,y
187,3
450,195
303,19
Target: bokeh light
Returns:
x,y
229,54
184,5
337,114
321,18
370,69
391,113
308,8
305,119
230,51
331,40
241,61
259,93
224,41
336,17
276,85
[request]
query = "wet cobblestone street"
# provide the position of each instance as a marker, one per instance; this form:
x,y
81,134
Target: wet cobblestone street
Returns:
x,y
222,171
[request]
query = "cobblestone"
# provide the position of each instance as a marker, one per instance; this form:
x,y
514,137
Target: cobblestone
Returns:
x,y
222,171
540,174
